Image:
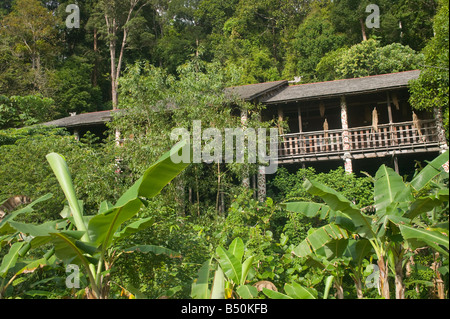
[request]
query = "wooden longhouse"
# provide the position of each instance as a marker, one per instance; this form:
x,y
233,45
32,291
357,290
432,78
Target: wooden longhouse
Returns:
x,y
347,121
358,123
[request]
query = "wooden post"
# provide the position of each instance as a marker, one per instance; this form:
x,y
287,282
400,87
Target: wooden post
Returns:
x,y
389,108
345,137
280,119
300,130
76,133
300,125
391,121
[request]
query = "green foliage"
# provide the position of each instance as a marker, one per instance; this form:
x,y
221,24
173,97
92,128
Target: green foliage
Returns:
x,y
293,291
368,58
289,186
230,277
30,32
156,276
416,17
395,227
74,90
91,243
431,89
314,38
19,111
197,95
24,171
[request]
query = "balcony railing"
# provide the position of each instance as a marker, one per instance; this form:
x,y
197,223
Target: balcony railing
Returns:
x,y
400,136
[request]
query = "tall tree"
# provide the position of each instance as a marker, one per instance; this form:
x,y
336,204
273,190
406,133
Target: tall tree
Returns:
x,y
348,16
30,32
314,38
415,19
118,16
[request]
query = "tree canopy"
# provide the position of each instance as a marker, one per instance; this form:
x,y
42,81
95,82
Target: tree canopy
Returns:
x,y
79,68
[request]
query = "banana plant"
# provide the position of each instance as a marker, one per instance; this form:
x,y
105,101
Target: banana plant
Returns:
x,y
200,288
11,238
357,251
398,206
230,279
90,241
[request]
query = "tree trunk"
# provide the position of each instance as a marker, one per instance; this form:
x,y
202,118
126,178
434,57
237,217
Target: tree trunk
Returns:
x,y
384,283
363,29
358,286
438,282
339,289
95,70
218,188
113,26
399,285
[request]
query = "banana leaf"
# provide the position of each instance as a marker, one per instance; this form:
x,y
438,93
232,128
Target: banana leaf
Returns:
x,y
389,188
62,173
275,294
297,291
102,227
9,260
309,209
218,286
157,250
246,268
200,286
432,238
237,248
430,171
134,227
338,202
230,265
319,238
24,210
247,291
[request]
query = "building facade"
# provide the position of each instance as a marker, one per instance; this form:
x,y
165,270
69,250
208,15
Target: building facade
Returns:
x,y
348,120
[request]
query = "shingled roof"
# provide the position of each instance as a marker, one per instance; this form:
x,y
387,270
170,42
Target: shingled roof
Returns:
x,y
252,91
93,118
343,87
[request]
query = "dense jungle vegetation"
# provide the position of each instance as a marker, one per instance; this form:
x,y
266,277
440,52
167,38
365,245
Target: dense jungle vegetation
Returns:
x,y
138,225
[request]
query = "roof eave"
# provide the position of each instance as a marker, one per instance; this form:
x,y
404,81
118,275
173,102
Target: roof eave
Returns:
x,y
334,95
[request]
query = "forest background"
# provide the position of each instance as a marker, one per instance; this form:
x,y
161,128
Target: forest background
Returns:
x,y
146,55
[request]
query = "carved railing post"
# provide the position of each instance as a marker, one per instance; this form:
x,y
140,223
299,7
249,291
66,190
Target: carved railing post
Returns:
x,y
346,137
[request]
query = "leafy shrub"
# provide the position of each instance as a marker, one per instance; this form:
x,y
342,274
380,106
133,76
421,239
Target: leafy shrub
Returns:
x,y
289,187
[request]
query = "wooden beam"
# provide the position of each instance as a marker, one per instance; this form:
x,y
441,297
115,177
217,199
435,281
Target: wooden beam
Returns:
x,y
389,108
300,125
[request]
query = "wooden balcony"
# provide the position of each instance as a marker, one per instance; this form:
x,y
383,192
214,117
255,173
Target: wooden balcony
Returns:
x,y
362,142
